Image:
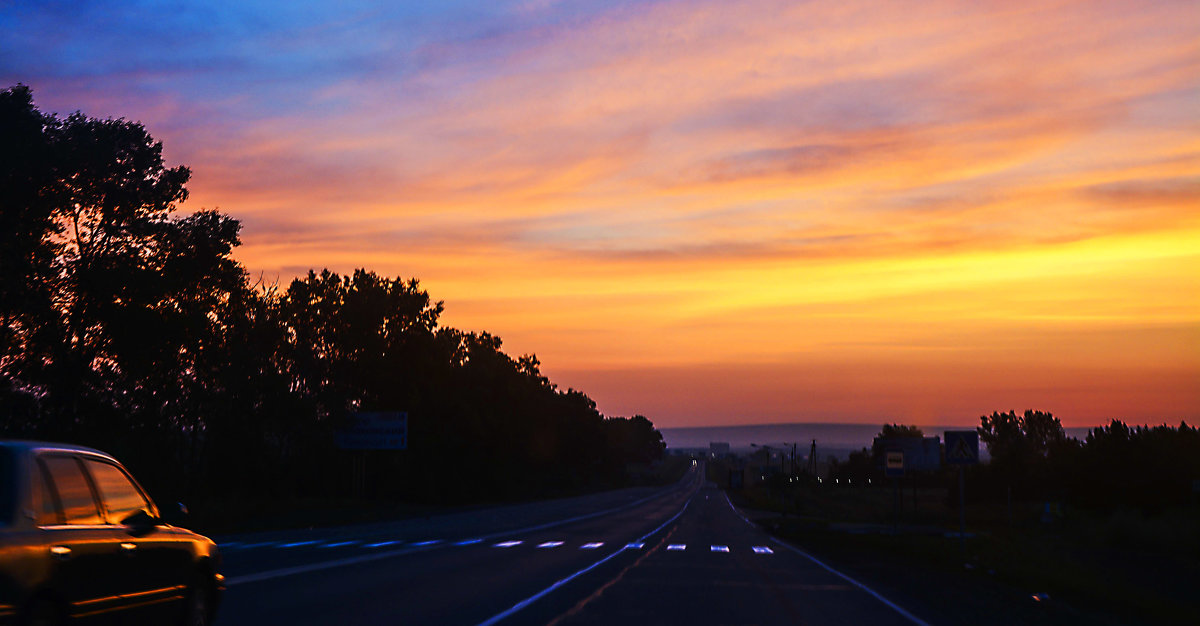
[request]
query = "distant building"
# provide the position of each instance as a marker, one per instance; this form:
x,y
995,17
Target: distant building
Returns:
x,y
718,449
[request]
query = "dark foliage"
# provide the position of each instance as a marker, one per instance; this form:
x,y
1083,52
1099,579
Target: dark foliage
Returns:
x,y
127,328
900,431
1114,467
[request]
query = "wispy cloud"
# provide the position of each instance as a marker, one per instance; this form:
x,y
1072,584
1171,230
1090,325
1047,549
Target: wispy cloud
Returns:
x,y
681,184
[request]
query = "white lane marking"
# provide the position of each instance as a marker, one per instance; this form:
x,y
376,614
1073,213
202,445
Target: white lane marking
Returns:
x,y
719,548
339,544
508,544
677,546
763,550
468,542
367,558
541,594
428,542
382,544
874,594
248,546
296,544
550,544
591,546
634,546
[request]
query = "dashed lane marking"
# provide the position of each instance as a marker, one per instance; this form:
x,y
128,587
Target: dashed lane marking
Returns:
x,y
716,548
468,542
249,546
677,546
339,544
508,544
296,544
763,550
381,544
559,583
634,546
591,546
550,544
428,542
690,482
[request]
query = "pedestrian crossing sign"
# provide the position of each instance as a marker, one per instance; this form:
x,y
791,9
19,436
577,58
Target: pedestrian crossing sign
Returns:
x,y
962,447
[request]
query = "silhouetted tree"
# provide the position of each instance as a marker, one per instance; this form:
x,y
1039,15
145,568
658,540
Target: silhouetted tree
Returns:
x,y
1020,447
128,328
901,431
1119,466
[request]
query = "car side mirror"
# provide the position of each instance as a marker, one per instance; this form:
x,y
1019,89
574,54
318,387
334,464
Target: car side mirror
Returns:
x,y
140,522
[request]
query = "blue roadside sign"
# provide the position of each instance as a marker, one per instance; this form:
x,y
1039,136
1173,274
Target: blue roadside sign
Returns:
x,y
962,447
375,431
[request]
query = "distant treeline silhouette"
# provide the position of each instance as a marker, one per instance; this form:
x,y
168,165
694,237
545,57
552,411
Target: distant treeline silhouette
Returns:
x,y
1113,467
132,330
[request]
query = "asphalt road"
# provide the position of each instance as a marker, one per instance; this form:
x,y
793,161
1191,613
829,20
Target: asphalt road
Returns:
x,y
680,555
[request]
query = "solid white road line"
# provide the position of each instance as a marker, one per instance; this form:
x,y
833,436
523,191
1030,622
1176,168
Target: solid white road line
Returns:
x,y
874,594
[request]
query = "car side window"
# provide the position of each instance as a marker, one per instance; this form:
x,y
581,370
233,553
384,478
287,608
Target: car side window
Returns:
x,y
74,493
120,496
45,502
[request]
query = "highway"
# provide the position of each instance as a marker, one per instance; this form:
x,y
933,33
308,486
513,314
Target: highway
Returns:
x,y
678,555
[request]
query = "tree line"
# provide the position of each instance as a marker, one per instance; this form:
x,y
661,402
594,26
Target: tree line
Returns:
x,y
1114,466
132,329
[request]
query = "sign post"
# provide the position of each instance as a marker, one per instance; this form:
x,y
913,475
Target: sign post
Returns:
x,y
371,431
962,449
893,466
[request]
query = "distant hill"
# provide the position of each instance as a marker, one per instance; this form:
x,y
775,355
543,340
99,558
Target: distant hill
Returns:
x,y
831,438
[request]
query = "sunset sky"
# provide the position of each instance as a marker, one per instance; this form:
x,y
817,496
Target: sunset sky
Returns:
x,y
706,212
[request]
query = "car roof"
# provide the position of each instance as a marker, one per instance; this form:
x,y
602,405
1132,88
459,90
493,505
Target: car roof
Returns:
x,y
24,445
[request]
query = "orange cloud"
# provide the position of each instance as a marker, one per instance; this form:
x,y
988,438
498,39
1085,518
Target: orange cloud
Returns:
x,y
760,211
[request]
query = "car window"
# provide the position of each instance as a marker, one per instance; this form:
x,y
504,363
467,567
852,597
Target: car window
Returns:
x,y
120,496
74,493
45,503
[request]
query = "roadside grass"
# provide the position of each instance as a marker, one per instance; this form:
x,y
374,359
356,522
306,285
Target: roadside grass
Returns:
x,y
1103,568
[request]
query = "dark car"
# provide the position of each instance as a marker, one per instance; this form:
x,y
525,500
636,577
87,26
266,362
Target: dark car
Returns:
x,y
81,541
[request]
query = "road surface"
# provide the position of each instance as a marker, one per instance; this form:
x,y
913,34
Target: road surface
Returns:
x,y
679,555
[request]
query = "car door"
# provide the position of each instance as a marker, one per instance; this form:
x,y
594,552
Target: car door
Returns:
x,y
89,571
156,559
